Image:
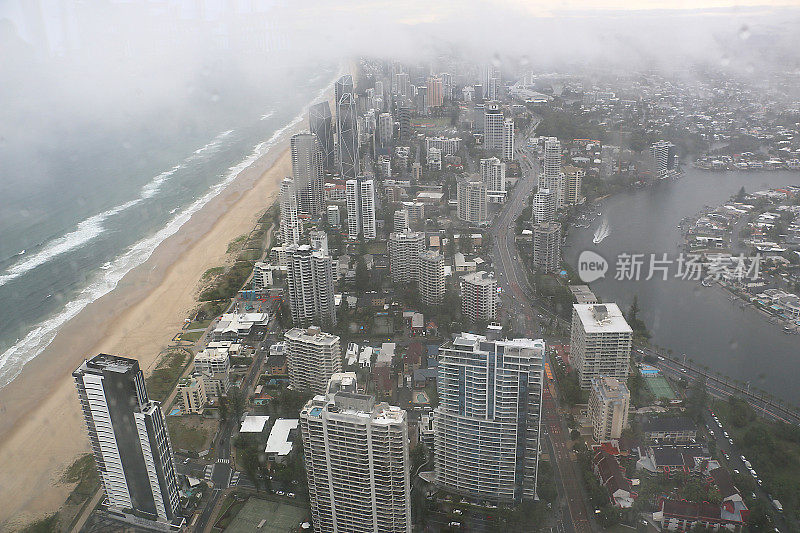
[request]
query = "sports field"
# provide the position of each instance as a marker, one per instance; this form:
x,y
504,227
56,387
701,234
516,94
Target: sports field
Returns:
x,y
277,517
659,387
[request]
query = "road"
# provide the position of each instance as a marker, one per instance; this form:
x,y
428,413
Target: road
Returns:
x,y
518,304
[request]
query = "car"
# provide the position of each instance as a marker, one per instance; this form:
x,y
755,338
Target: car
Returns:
x,y
736,472
455,524
291,494
730,441
758,480
726,434
279,492
186,460
457,511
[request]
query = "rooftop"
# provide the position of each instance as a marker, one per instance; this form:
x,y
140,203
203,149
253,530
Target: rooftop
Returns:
x,y
278,441
602,318
253,424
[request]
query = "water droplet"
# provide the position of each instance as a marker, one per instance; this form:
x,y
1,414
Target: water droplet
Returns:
x,y
744,32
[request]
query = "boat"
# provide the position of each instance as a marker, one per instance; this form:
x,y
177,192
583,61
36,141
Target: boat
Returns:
x,y
602,231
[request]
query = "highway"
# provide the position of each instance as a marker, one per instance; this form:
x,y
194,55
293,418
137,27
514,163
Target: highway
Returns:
x,y
517,303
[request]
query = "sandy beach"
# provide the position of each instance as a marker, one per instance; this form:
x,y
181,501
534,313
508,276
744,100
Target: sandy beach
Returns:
x,y
41,429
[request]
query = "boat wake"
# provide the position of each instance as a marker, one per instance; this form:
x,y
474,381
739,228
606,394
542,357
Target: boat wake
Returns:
x,y
602,231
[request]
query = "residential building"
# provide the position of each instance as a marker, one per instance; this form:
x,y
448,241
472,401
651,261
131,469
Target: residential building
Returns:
x,y
665,157
319,241
213,366
280,442
357,461
493,126
435,92
307,173
488,421
400,222
547,246
416,172
312,357
191,395
600,342
320,123
334,217
404,117
290,223
367,205
553,177
404,250
609,401
573,180
384,132
479,296
416,212
129,439
493,175
472,208
431,278
543,206
671,428
611,476
309,278
447,145
353,195
508,139
433,158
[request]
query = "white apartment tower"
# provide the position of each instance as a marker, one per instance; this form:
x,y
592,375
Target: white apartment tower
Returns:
x,y
508,139
214,367
493,175
307,173
290,223
357,461
573,180
129,439
479,297
404,250
400,222
492,126
609,401
553,177
352,196
547,246
543,206
488,422
431,278
312,357
367,199
309,277
472,202
600,342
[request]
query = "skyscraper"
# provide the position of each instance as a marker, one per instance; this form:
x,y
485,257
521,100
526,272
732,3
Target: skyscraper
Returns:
x,y
357,462
320,123
430,265
479,297
307,173
493,175
309,277
347,131
609,401
312,357
400,222
492,126
665,156
435,92
508,139
487,424
403,250
573,178
543,206
290,223
404,116
471,196
384,133
367,204
547,246
600,342
343,85
353,198
553,178
128,437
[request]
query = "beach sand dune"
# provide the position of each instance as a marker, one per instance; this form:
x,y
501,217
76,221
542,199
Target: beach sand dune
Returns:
x,y
41,428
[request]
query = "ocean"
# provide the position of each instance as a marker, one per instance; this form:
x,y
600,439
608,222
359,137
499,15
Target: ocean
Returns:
x,y
84,202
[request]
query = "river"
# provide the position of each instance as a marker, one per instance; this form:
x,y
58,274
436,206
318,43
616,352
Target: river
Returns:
x,y
682,315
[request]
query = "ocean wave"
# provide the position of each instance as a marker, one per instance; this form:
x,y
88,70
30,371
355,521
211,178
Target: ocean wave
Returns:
x,y
92,227
110,274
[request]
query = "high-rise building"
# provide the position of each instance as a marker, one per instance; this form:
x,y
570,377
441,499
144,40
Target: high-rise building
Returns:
x,y
353,196
552,157
448,145
400,223
384,133
435,92
416,212
609,401
600,342
312,357
342,86
573,178
309,277
416,172
493,175
403,250
471,196
347,130
191,395
404,117
403,83
488,421
214,367
320,123
357,461
307,173
431,277
543,206
129,439
319,241
494,88
290,222
492,126
665,156
547,246
479,297
508,139
334,217
367,203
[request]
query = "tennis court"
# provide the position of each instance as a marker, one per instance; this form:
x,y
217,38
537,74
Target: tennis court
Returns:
x,y
659,387
277,517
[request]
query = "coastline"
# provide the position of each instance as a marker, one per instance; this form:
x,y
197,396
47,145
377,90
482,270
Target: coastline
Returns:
x,y
41,428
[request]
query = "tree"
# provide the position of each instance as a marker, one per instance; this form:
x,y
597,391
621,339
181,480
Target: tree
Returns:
x,y
741,195
236,401
250,463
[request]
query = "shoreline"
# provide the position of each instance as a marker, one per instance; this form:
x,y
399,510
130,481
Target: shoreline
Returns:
x,y
137,319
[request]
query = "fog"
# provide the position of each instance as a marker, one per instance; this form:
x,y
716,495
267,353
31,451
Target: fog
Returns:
x,y
66,63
